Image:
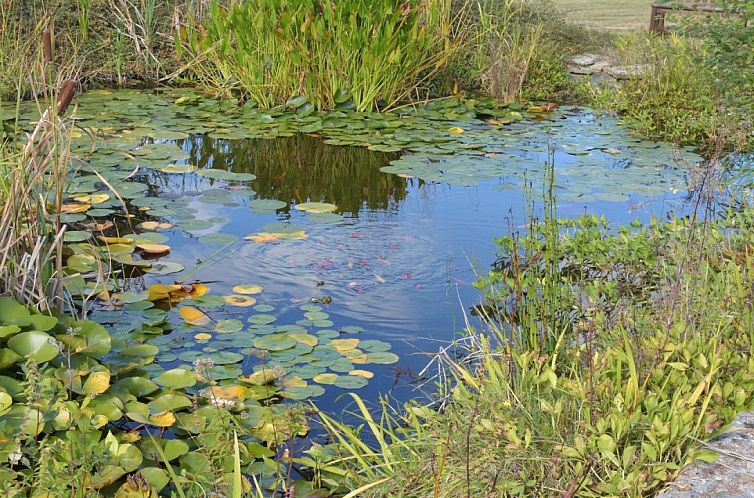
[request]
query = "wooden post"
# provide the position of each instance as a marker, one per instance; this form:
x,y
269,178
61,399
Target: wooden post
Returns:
x,y
657,21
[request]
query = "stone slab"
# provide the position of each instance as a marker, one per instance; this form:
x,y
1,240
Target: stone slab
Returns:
x,y
731,476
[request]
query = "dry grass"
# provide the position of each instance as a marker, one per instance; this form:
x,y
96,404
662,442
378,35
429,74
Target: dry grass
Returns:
x,y
610,15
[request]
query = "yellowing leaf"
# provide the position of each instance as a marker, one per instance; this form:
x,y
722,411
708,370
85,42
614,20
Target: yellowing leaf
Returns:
x,y
202,336
193,316
231,393
99,421
92,199
361,373
242,301
294,381
264,237
307,339
361,359
455,130
344,344
153,225
198,290
115,240
162,419
158,292
74,208
97,382
247,289
176,293
263,376
154,248
325,378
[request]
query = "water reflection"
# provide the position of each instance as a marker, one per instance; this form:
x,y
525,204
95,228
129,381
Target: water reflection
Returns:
x,y
302,168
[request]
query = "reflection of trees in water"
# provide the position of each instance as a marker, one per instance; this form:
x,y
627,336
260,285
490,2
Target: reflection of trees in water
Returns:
x,y
304,168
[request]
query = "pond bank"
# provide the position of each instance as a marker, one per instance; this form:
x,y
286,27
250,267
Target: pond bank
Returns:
x,y
731,475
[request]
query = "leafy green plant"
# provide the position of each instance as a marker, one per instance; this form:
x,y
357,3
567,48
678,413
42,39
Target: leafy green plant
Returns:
x,y
512,50
338,54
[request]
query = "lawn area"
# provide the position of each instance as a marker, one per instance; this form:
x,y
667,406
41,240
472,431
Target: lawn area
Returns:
x,y
623,15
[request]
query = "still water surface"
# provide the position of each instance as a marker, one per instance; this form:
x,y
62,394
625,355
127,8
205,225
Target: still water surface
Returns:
x,y
399,262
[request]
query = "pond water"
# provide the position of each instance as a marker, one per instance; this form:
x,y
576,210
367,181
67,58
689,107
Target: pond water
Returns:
x,y
406,209
398,262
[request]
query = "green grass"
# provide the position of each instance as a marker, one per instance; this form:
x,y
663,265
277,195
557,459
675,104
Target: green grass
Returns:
x,y
610,15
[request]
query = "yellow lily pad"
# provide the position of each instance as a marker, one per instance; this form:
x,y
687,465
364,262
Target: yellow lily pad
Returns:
x,y
248,289
194,316
238,300
361,373
325,378
344,344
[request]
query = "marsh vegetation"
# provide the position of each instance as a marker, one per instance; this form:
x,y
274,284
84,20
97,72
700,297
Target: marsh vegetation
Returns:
x,y
354,248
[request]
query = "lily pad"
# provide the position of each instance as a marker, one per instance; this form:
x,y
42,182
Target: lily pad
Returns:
x,y
177,378
316,207
275,342
267,204
35,345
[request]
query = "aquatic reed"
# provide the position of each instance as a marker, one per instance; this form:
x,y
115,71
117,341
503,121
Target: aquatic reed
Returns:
x,y
358,53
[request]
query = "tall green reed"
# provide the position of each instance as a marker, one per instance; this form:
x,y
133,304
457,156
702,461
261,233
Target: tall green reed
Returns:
x,y
352,52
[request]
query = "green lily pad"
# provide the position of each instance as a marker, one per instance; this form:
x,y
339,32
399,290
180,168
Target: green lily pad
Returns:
x,y
302,393
261,319
228,326
35,345
177,378
169,403
218,239
275,342
8,330
77,236
382,358
350,382
267,204
316,207
164,268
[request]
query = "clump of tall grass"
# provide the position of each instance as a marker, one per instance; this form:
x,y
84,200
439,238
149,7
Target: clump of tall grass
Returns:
x,y
17,50
32,182
348,52
512,50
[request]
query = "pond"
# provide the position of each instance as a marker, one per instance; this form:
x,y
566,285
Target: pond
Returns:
x,y
290,230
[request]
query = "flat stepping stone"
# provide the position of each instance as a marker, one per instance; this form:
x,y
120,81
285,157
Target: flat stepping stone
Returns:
x,y
731,476
627,72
